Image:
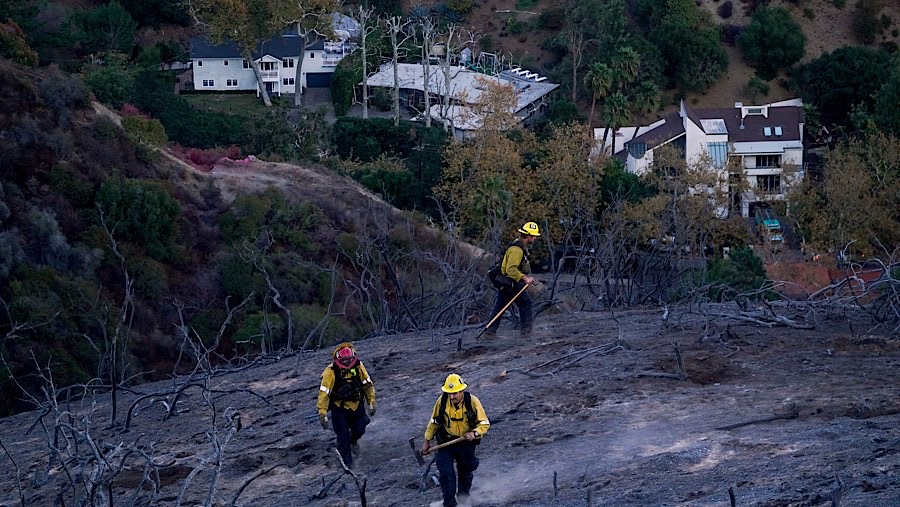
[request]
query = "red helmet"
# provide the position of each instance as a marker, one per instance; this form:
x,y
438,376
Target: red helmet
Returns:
x,y
345,358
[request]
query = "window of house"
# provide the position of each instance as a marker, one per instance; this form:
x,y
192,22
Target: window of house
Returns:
x,y
767,131
208,83
754,110
768,161
231,82
199,63
778,131
719,153
226,63
246,64
769,183
287,63
287,81
312,55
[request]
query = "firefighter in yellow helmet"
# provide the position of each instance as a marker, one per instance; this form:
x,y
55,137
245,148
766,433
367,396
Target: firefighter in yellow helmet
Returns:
x,y
345,383
456,413
514,275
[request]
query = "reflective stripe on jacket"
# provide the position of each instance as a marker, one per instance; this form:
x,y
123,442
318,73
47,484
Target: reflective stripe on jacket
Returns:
x,y
328,381
459,423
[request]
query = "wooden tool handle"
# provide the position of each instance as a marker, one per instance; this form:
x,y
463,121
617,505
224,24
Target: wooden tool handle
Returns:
x,y
445,444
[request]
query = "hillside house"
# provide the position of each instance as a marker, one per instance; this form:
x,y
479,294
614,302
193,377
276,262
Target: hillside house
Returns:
x,y
465,87
221,67
767,139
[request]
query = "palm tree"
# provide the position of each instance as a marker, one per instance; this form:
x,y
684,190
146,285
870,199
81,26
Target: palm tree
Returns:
x,y
646,97
615,113
626,64
599,81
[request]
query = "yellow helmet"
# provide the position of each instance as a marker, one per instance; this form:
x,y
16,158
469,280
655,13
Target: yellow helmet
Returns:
x,y
453,384
530,229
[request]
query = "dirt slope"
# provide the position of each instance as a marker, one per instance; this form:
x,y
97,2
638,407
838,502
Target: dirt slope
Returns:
x,y
578,418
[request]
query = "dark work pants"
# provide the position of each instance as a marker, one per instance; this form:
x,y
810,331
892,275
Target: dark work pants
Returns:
x,y
348,426
459,480
523,303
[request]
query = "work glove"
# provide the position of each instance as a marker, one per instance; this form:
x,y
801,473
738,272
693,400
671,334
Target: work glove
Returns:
x,y
372,409
323,420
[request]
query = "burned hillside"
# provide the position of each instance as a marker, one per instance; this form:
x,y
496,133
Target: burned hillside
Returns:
x,y
651,406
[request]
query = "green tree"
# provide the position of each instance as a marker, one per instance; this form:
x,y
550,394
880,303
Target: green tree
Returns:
x,y
856,206
599,81
741,273
142,212
688,43
13,45
112,82
343,83
886,114
106,28
773,41
157,13
591,25
615,114
835,82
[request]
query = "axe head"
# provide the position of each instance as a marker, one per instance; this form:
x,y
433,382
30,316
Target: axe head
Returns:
x,y
419,458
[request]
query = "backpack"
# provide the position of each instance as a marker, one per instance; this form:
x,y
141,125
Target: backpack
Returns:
x,y
495,274
471,417
347,384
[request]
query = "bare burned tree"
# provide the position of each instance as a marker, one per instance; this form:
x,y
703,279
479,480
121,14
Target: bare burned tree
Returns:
x,y
89,457
426,34
366,27
454,39
117,344
398,34
254,254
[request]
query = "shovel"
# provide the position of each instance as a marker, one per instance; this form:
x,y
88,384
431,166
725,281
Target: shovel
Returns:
x,y
485,328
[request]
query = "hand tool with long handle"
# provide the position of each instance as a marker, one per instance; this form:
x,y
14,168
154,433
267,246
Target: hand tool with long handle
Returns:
x,y
445,444
499,314
418,455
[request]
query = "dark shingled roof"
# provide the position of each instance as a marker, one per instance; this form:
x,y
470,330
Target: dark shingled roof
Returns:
x,y
281,46
672,128
786,117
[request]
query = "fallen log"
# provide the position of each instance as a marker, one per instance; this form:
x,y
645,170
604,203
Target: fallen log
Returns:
x,y
792,414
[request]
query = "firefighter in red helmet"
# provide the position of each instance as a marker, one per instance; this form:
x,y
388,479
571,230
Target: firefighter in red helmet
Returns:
x,y
345,386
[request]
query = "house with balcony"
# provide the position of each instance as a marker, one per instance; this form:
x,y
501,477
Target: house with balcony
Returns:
x,y
767,141
222,67
464,88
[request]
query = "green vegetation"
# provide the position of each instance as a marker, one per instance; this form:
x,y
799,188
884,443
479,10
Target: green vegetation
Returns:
x,y
836,82
243,105
672,26
741,273
773,41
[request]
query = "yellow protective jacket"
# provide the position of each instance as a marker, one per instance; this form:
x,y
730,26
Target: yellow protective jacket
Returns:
x,y
328,381
459,423
515,263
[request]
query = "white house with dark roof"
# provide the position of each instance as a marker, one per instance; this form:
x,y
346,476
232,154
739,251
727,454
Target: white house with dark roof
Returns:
x,y
767,139
221,67
464,88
